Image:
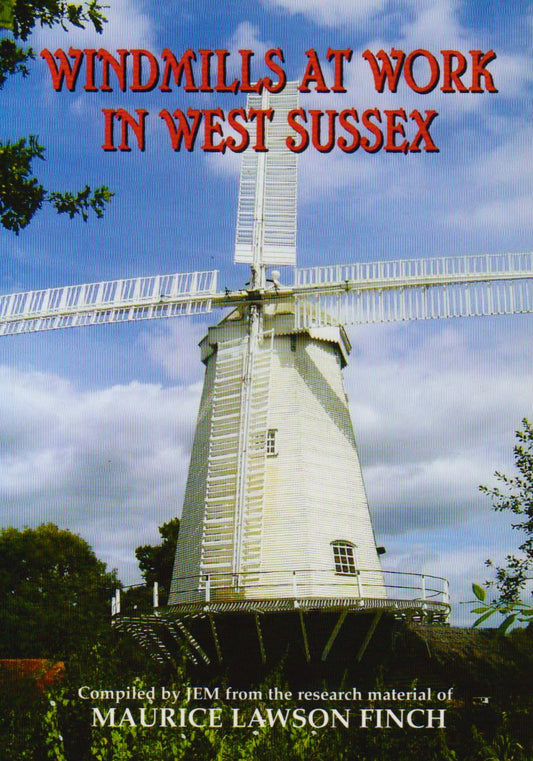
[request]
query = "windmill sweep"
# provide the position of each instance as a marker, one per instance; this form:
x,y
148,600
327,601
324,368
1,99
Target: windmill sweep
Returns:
x,y
275,518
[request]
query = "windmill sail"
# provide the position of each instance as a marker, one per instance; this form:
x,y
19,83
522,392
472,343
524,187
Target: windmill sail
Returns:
x,y
414,289
266,217
140,298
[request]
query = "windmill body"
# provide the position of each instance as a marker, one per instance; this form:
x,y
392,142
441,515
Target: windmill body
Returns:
x,y
303,525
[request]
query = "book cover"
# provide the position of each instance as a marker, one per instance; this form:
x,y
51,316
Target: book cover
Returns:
x,y
122,139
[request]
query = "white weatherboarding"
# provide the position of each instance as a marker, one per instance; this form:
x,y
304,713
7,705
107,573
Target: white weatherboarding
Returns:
x,y
275,514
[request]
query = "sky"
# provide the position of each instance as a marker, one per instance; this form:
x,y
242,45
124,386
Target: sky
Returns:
x,y
96,424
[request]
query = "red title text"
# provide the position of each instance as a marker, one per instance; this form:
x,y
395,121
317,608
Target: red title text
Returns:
x,y
217,130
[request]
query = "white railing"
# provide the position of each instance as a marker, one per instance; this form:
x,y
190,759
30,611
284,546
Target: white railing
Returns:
x,y
300,583
393,586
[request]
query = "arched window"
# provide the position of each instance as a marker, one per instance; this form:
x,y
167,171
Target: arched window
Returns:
x,y
344,557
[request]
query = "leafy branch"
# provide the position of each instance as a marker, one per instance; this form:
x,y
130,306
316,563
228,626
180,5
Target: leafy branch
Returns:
x,y
514,611
51,12
13,59
81,202
21,194
515,494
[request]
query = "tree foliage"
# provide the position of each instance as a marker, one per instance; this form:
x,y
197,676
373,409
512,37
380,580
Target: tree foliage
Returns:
x,y
515,495
157,561
514,611
55,593
21,193
13,59
27,15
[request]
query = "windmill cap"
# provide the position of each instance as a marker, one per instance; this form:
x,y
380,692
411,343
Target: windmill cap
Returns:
x,y
282,322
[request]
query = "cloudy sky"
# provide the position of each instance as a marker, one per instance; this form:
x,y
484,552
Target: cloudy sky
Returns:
x,y
96,424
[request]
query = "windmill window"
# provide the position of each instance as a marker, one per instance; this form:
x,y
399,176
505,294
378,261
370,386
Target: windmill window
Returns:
x,y
271,445
344,558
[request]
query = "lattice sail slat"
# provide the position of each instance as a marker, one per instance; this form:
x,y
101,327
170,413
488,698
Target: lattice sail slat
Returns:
x,y
417,289
141,298
266,217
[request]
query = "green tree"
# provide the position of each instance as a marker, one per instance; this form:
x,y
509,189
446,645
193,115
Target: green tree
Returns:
x,y
55,594
516,496
21,193
157,561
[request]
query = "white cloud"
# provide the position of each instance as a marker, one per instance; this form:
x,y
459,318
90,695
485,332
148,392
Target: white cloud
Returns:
x,y
458,556
498,184
162,348
437,27
505,213
246,37
333,13
457,189
478,120
434,410
510,163
109,464
434,25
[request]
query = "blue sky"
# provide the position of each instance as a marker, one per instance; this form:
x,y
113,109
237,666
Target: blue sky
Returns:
x,y
97,424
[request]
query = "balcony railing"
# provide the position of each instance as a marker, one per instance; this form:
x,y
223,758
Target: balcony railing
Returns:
x,y
299,584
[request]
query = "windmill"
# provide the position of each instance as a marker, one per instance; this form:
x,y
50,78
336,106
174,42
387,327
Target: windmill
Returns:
x,y
275,515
